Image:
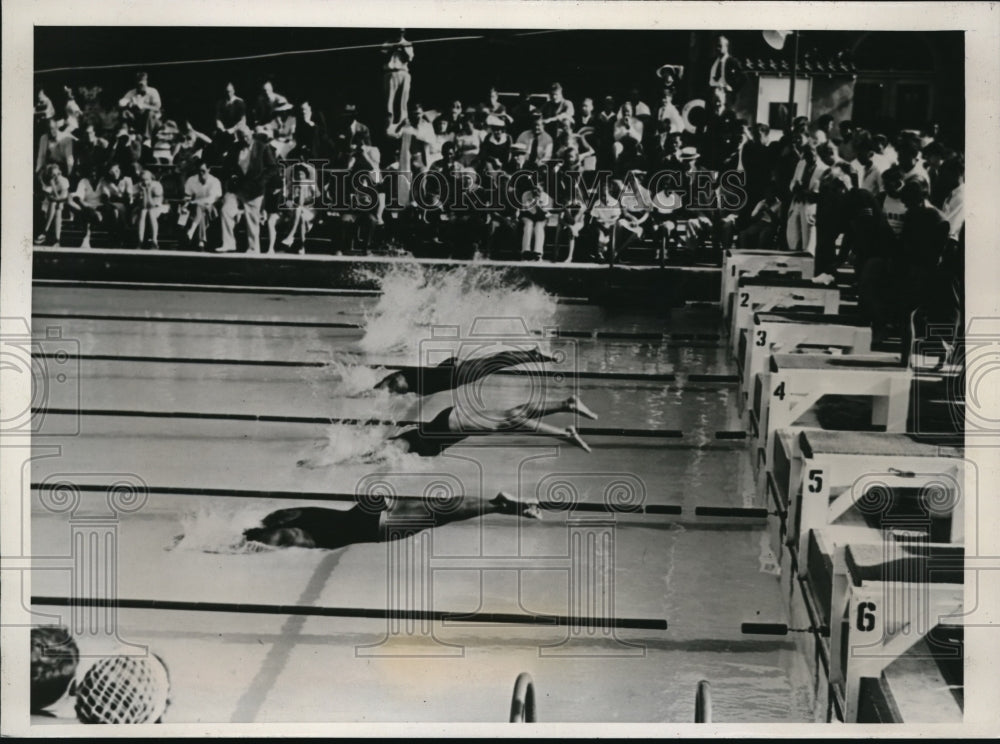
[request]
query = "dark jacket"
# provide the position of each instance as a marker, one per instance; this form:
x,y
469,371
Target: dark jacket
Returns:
x,y
262,166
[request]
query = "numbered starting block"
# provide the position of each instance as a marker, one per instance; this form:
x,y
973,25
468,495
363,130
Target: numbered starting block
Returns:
x,y
886,599
736,263
793,332
796,383
761,294
887,480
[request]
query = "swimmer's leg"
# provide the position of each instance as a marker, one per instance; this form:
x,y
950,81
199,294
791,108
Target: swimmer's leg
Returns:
x,y
470,507
479,367
527,411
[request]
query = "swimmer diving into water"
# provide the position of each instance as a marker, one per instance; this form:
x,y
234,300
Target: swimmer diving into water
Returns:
x,y
451,373
451,426
317,527
448,427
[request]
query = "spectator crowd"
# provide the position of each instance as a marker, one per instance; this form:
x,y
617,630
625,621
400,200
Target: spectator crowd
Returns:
x,y
528,176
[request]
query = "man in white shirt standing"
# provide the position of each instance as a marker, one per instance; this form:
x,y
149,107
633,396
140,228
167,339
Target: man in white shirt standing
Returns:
x,y
399,54
202,194
726,73
801,227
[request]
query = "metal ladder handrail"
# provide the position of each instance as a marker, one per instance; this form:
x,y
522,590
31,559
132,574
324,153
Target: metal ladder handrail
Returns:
x,y
522,705
703,703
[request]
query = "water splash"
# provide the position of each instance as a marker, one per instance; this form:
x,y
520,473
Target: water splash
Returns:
x,y
477,301
349,379
216,528
369,445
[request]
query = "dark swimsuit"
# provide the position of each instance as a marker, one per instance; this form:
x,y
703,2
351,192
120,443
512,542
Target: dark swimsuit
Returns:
x,y
432,438
330,528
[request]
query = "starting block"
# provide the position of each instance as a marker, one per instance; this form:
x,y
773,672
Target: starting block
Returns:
x,y
761,294
735,263
886,598
796,382
785,332
833,472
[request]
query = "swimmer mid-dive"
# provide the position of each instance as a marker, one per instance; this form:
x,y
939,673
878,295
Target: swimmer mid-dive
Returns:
x,y
452,425
452,373
318,527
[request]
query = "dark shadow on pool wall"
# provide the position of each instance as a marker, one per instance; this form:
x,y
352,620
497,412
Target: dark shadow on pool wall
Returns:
x,y
648,287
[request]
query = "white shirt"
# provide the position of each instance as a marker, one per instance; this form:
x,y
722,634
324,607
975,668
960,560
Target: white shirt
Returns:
x,y
870,178
894,211
954,210
203,193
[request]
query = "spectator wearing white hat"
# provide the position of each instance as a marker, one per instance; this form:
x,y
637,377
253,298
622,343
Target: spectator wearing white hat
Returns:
x,y
496,145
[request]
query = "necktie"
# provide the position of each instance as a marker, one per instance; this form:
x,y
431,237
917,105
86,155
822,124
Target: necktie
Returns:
x,y
533,153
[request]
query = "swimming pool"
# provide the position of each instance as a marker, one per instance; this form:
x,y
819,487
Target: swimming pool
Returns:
x,y
202,402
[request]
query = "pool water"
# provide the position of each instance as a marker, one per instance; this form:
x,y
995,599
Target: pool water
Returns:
x,y
207,401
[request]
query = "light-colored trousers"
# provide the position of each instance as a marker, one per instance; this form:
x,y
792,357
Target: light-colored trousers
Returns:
x,y
800,234
397,82
251,211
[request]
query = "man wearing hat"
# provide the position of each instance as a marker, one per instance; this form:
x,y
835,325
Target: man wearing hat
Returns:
x,y
537,141
518,158
497,144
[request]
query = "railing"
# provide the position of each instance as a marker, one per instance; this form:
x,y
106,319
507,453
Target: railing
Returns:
x,y
522,706
703,703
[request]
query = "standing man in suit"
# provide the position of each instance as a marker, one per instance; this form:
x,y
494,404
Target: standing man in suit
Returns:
x,y
248,167
726,73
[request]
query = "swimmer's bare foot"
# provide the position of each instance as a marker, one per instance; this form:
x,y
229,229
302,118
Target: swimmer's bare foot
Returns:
x,y
573,437
507,504
575,405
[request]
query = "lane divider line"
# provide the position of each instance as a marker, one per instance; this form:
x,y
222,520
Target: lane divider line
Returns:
x,y
507,618
269,419
204,321
235,289
582,375
352,498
